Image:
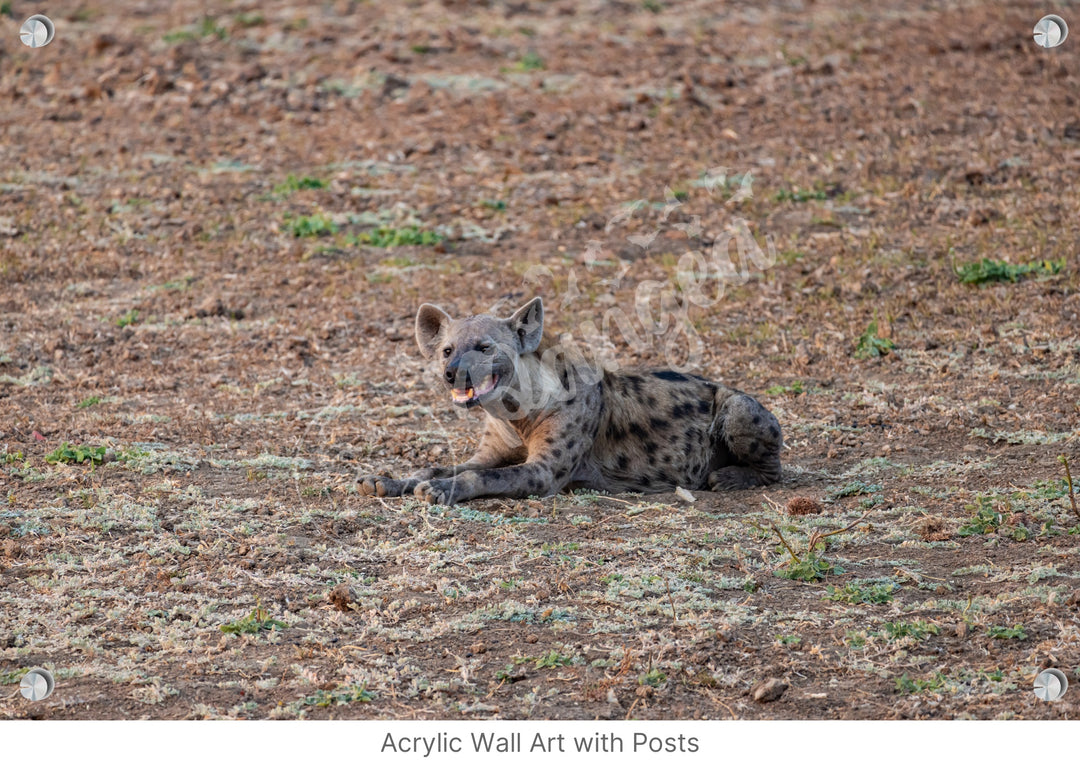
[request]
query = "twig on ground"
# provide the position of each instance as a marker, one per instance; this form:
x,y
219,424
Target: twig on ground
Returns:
x,y
1068,479
671,600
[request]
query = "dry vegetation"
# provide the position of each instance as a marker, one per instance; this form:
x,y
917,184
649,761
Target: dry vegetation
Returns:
x,y
215,231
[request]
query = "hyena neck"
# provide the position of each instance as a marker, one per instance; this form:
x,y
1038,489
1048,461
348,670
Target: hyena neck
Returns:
x,y
535,390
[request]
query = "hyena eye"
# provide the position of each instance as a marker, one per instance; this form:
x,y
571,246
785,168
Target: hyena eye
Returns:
x,y
446,352
485,349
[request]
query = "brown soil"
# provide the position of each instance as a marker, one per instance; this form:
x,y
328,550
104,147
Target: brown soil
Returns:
x,y
239,342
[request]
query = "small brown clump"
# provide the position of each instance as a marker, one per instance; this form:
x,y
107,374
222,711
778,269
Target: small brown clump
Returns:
x,y
800,505
932,529
342,597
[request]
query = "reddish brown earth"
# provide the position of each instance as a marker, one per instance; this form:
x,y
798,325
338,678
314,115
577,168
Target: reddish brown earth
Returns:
x,y
162,298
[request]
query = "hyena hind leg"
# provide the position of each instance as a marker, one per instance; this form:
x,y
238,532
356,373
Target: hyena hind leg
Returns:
x,y
747,445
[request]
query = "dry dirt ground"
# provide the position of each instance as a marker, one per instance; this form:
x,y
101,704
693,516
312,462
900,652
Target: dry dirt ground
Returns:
x,y
216,225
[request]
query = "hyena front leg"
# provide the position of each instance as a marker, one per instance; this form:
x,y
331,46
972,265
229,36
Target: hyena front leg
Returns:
x,y
549,468
529,478
496,449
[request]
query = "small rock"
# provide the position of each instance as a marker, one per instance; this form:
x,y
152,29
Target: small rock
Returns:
x,y
684,495
769,691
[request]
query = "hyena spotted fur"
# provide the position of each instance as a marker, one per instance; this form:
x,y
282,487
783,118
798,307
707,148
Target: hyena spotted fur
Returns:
x,y
555,422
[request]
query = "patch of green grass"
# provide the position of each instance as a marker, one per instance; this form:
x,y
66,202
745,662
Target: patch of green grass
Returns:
x,y
13,676
88,402
997,632
177,36
494,204
209,27
5,9
855,640
12,457
855,487
652,6
810,568
788,640
128,319
389,237
293,183
800,195
870,345
317,225
915,629
990,270
653,678
553,659
795,388
531,61
78,455
811,565
1049,490
988,519
560,548
30,527
399,261
855,593
254,622
343,696
908,685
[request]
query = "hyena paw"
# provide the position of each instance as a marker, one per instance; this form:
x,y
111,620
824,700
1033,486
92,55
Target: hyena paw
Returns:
x,y
734,478
384,486
444,492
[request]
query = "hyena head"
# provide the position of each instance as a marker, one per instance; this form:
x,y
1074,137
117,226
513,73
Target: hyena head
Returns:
x,y
480,357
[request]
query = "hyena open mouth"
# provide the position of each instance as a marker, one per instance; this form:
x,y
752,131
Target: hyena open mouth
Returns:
x,y
460,396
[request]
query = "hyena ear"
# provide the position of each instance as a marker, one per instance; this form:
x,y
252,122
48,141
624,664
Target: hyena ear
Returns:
x,y
431,324
527,325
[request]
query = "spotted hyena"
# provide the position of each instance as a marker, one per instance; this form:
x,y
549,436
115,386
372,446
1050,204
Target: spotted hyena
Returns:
x,y
556,422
